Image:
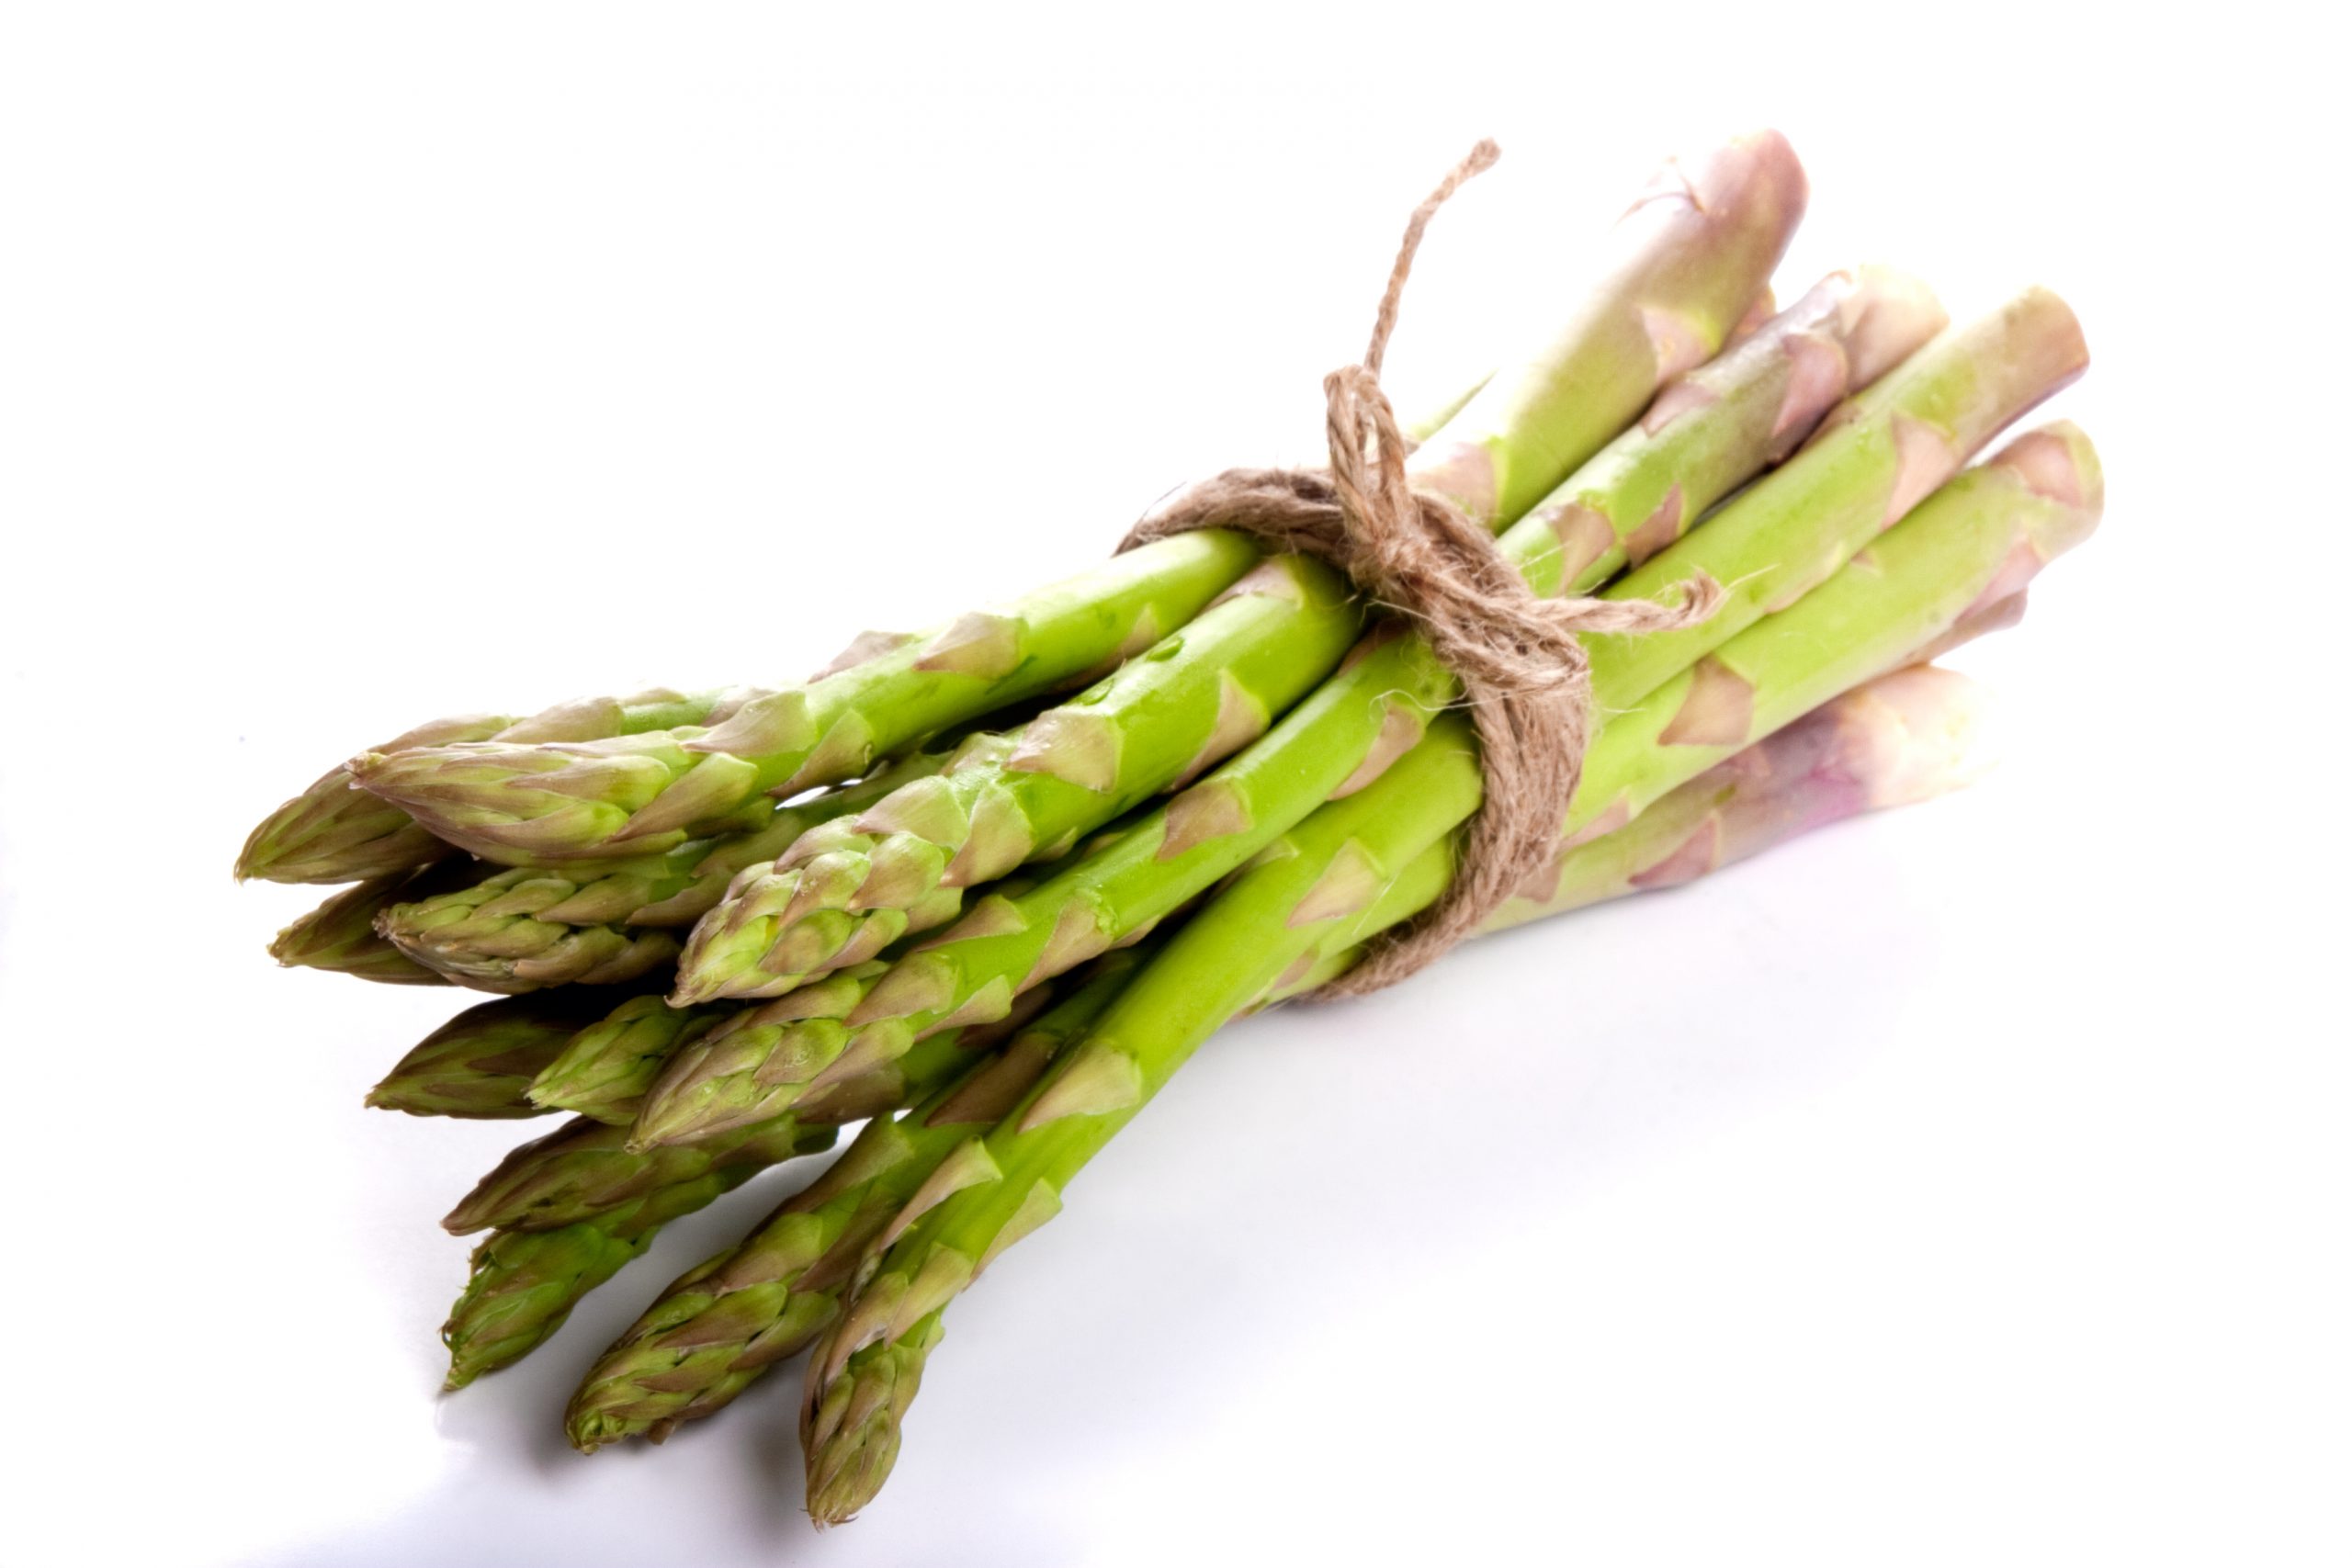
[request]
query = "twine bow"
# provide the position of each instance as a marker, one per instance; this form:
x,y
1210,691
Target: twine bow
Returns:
x,y
1525,677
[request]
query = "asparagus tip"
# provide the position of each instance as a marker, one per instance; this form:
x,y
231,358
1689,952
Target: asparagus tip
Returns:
x,y
665,1120
589,1431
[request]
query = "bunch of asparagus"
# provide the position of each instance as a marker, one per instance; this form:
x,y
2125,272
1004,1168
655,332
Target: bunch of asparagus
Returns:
x,y
930,891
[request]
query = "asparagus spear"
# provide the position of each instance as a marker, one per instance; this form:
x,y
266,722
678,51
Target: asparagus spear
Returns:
x,y
717,1327
340,937
523,928
335,831
838,898
1372,858
520,803
603,1070
524,1283
581,1169
827,897
1379,706
801,1037
480,1063
608,1067
1690,256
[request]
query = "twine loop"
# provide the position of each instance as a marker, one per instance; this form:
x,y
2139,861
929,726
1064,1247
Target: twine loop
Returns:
x,y
1525,677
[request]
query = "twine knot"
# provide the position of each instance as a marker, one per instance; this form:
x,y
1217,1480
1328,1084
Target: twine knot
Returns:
x,y
1525,678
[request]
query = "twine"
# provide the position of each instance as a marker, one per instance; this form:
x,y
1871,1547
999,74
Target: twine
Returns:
x,y
1525,678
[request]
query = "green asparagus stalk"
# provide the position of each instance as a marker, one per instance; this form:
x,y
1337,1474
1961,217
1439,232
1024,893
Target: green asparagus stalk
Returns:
x,y
1874,459
1956,559
1711,435
1900,739
524,1283
1895,741
481,1062
717,1328
340,936
1334,877
838,898
335,831
527,928
1689,258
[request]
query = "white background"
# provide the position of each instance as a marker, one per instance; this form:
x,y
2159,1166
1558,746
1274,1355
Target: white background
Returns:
x,y
1966,1185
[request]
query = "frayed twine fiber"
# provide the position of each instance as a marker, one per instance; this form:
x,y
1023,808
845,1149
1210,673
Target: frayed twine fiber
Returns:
x,y
1525,675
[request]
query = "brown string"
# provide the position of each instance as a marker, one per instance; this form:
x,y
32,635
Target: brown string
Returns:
x,y
1525,675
